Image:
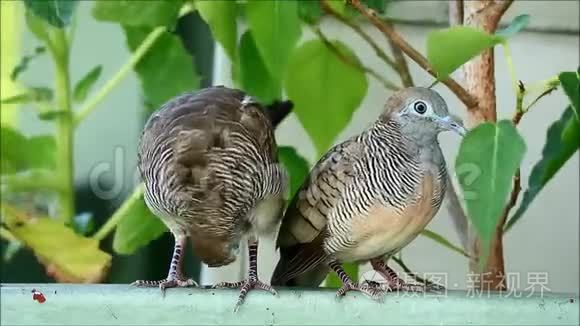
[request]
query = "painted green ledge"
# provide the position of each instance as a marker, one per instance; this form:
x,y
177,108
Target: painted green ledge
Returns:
x,y
123,305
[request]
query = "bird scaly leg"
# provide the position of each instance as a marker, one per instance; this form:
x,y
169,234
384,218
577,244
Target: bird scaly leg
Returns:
x,y
394,282
174,276
252,282
348,285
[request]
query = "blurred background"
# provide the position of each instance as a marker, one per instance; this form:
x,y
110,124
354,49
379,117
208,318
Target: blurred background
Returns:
x,y
546,240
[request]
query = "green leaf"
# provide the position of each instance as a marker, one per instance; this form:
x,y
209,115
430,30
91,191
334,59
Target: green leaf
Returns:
x,y
166,70
252,75
296,166
67,256
450,48
338,5
562,141
41,152
517,24
571,86
492,152
84,85
309,11
23,64
51,114
379,6
325,90
221,17
33,94
57,13
37,26
19,153
142,13
137,226
276,28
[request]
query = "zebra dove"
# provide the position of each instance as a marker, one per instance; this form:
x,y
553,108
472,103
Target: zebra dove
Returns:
x,y
368,196
210,169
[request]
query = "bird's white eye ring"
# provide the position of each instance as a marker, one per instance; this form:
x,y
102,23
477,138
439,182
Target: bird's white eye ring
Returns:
x,y
420,107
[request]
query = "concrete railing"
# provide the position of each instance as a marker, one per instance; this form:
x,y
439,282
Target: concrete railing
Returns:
x,y
124,305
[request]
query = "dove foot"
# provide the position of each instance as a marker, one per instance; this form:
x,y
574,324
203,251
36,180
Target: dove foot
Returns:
x,y
375,293
395,283
245,286
167,283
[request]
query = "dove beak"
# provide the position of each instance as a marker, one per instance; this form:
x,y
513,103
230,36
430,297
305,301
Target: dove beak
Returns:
x,y
449,123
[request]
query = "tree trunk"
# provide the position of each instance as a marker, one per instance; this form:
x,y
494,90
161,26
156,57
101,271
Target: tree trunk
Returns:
x,y
479,80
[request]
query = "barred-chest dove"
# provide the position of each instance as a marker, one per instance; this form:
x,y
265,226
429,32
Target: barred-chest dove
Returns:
x,y
209,165
368,196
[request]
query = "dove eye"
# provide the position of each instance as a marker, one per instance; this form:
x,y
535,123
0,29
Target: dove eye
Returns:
x,y
420,107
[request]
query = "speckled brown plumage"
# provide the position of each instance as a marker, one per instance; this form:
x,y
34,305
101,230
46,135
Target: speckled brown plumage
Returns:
x,y
209,165
368,196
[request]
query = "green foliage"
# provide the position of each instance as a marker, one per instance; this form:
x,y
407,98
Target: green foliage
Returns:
x,y
492,152
20,153
324,88
221,16
275,27
138,13
557,151
137,225
166,70
252,74
23,65
450,48
57,13
33,94
296,166
83,87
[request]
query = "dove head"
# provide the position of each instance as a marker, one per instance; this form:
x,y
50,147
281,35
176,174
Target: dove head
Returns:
x,y
421,114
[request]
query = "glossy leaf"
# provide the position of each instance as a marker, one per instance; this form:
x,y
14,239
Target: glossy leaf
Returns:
x,y
518,23
252,74
83,87
57,13
494,151
296,166
276,28
325,90
166,70
571,85
72,258
137,226
143,13
221,17
450,48
562,141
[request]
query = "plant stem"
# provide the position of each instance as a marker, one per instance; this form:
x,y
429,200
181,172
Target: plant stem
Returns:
x,y
378,51
119,214
393,36
64,137
137,55
386,83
